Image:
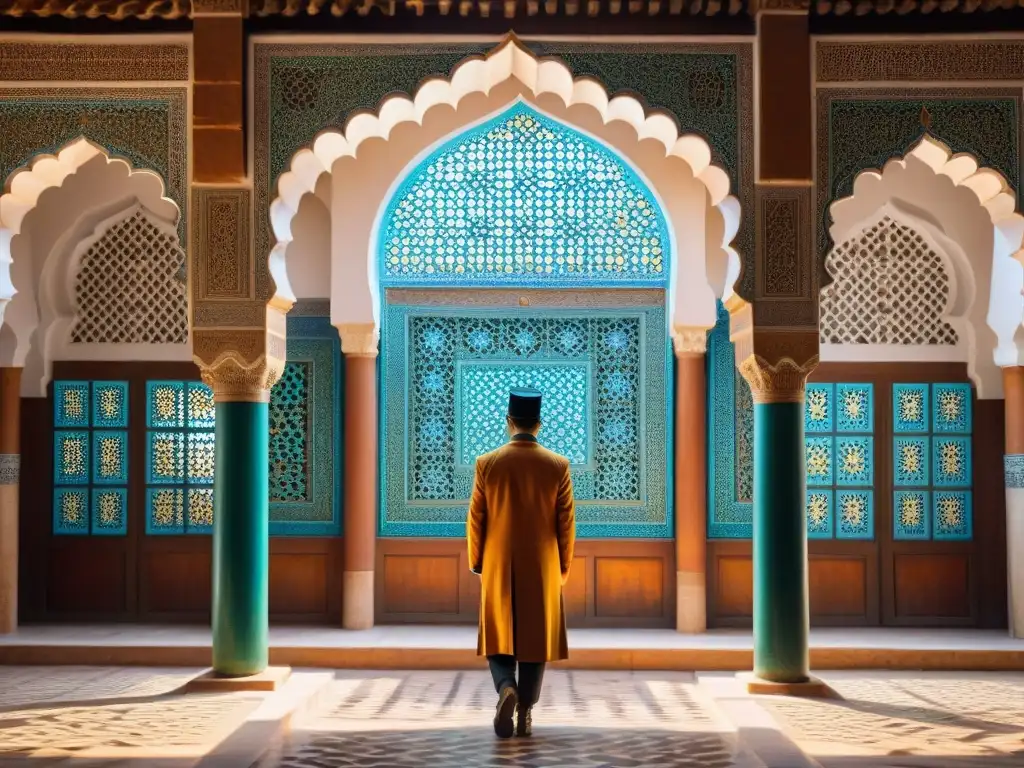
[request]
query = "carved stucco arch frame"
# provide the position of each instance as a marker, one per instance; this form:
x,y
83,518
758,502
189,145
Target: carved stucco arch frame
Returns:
x,y
476,88
24,189
974,208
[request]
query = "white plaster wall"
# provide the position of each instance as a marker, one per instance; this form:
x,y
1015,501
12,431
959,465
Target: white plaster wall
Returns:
x,y
362,186
64,215
309,254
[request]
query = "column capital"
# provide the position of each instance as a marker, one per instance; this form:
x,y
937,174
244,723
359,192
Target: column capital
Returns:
x,y
359,339
781,382
240,365
689,340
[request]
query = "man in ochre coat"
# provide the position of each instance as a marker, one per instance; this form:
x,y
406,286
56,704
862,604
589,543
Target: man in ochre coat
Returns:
x,y
521,532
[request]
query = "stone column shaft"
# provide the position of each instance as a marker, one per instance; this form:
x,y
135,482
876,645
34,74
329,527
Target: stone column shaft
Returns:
x,y
359,345
691,481
1013,387
241,544
10,463
781,604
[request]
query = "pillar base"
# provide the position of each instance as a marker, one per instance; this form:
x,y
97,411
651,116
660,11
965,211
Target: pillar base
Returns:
x,y
812,688
357,600
691,602
269,679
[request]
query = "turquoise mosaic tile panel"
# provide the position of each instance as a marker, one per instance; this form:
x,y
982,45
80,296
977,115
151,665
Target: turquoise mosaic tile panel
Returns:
x,y
70,511
952,517
911,459
854,461
165,458
910,407
951,408
855,408
819,513
110,404
110,457
620,359
819,460
523,199
911,515
819,408
199,506
71,404
730,439
71,458
200,407
855,514
165,404
951,461
482,402
109,511
165,510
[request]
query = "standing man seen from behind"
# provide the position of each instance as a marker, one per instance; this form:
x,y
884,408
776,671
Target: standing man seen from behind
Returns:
x,y
521,533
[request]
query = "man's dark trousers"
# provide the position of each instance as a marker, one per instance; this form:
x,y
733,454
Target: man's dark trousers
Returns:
x,y
531,676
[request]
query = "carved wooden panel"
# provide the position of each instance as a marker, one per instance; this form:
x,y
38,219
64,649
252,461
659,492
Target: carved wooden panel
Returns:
x,y
421,584
629,586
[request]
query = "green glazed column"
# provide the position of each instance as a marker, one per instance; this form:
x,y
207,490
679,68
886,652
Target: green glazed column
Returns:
x,y
781,606
241,537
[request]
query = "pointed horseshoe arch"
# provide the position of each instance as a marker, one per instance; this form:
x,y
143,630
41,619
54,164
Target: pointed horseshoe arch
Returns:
x,y
27,184
479,87
949,198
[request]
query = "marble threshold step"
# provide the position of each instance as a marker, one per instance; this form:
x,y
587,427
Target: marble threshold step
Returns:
x,y
454,647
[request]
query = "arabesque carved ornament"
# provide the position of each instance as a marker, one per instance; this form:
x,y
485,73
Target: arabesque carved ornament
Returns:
x,y
240,365
783,382
689,341
359,339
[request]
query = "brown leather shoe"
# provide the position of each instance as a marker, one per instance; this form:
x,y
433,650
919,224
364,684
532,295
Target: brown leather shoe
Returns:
x,y
508,700
524,721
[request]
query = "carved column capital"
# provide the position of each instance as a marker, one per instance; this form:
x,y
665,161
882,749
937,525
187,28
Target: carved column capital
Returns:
x,y
689,341
783,382
240,365
359,339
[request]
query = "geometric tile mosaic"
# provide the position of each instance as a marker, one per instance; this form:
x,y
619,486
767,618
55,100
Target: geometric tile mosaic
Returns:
x,y
911,514
855,514
90,458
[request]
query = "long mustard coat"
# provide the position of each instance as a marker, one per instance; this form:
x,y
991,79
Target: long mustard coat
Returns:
x,y
521,532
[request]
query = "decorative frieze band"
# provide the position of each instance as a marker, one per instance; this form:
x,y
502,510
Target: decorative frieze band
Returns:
x,y
102,61
926,61
10,468
1013,469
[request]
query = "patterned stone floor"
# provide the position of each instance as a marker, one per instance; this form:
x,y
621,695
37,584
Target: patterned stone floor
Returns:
x,y
934,719
443,720
101,715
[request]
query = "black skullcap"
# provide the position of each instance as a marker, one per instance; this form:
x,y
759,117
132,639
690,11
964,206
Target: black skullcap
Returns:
x,y
524,404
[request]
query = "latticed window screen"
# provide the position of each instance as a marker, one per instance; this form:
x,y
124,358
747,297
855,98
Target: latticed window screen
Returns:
x,y
839,445
890,287
523,199
126,289
932,461
179,457
90,466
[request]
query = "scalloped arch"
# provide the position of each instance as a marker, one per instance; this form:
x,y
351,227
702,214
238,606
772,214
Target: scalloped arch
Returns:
x,y
480,75
975,208
26,185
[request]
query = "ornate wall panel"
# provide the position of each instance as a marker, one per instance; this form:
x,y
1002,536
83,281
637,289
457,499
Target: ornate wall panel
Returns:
x,y
605,376
146,126
304,89
305,430
730,411
93,62
861,129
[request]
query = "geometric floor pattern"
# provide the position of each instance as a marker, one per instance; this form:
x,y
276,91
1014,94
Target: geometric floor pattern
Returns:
x,y
443,719
57,715
934,719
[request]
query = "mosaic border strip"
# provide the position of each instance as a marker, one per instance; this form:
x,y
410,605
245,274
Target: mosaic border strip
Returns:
x,y
99,61
861,61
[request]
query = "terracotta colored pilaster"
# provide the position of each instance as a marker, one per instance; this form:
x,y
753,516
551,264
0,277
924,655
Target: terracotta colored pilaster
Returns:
x,y
359,344
218,134
1013,388
10,461
691,481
